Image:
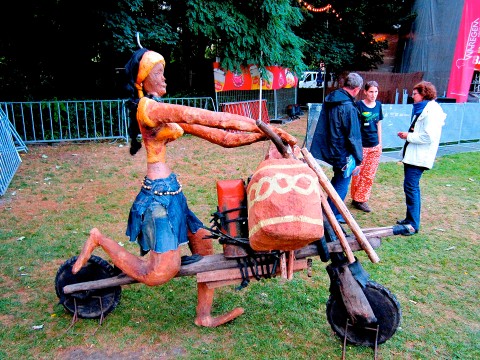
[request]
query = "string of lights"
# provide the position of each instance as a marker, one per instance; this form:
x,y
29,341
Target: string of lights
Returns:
x,y
312,8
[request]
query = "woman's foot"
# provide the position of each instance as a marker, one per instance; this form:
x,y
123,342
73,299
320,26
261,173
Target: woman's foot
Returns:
x,y
361,206
92,242
209,321
404,229
403,222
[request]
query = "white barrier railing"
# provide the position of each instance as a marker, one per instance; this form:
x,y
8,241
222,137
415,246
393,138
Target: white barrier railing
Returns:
x,y
462,123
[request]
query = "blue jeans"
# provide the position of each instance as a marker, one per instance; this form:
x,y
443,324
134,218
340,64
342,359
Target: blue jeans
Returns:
x,y
411,187
340,184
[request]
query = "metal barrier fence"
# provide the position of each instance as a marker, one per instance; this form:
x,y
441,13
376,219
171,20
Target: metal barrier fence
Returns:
x,y
249,108
9,158
59,121
197,102
277,100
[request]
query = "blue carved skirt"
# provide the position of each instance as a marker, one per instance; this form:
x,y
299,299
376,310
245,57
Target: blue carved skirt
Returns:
x,y
159,221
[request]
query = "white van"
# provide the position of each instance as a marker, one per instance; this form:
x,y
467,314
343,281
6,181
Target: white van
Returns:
x,y
309,80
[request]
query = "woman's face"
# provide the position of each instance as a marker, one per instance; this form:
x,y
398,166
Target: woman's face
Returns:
x,y
154,84
371,94
416,96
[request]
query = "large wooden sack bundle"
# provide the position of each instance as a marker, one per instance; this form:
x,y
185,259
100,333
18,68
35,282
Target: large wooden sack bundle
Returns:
x,y
284,206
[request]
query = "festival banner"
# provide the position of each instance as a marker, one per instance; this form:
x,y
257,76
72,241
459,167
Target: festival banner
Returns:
x,y
477,60
248,78
466,53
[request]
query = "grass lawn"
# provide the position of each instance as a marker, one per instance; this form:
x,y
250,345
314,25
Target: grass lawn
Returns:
x,y
60,192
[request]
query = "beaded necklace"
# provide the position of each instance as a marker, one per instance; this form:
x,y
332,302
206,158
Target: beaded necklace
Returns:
x,y
161,193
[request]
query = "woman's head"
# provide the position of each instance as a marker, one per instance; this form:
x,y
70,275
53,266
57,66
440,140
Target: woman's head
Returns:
x,y
139,67
144,72
150,77
424,90
371,90
370,84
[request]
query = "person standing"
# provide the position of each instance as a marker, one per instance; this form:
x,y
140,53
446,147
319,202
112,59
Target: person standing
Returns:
x,y
420,149
321,75
371,129
337,135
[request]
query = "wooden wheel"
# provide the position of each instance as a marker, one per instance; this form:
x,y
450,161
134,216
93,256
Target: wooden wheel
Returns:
x,y
89,304
385,307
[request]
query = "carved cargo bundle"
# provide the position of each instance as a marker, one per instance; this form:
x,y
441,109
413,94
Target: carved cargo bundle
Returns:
x,y
284,206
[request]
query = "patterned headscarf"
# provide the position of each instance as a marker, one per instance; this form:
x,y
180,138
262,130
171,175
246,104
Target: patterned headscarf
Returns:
x,y
149,60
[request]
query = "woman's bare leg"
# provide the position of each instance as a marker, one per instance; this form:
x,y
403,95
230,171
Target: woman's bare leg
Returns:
x,y
204,309
198,244
153,269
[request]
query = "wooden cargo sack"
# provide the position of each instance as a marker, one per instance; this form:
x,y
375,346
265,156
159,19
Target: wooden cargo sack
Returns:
x,y
284,206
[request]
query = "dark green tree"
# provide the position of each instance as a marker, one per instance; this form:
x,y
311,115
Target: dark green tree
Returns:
x,y
54,49
76,50
343,35
191,34
249,31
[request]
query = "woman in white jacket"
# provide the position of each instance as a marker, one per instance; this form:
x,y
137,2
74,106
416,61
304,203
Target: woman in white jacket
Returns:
x,y
421,145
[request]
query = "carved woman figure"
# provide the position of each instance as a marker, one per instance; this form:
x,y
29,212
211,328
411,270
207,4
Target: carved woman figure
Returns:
x,y
160,220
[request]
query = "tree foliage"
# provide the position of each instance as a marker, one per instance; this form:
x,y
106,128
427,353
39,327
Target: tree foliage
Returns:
x,y
76,50
343,36
250,31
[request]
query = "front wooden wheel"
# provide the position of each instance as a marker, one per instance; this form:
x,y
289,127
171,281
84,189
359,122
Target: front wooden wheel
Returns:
x,y
385,307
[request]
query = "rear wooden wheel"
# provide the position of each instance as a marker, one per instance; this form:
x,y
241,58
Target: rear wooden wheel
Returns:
x,y
89,304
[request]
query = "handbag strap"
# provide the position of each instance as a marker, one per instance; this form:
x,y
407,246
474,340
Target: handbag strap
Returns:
x,y
410,130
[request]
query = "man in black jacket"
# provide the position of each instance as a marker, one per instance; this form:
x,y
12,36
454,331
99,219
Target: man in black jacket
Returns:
x,y
337,135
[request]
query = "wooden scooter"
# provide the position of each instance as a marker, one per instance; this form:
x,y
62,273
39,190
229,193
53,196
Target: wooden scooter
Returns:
x,y
360,311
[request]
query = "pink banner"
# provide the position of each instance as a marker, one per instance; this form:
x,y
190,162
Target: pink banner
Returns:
x,y
466,52
477,60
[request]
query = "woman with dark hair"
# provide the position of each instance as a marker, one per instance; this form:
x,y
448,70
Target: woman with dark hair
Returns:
x,y
421,145
160,220
371,116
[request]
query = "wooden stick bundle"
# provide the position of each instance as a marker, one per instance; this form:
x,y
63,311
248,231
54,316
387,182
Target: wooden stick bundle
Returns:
x,y
342,208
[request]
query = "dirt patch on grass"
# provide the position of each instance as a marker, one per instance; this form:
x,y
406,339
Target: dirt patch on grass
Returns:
x,y
139,354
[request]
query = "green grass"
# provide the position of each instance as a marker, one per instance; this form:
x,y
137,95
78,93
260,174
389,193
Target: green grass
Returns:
x,y
434,274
